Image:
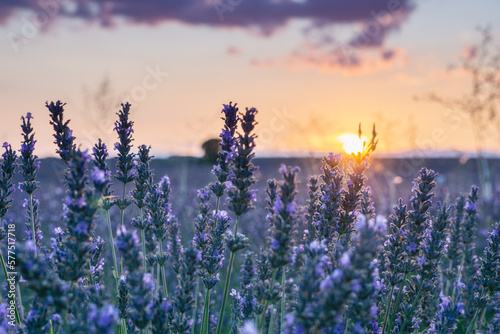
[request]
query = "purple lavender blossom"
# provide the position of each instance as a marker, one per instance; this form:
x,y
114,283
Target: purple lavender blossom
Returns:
x,y
345,260
412,247
124,160
63,135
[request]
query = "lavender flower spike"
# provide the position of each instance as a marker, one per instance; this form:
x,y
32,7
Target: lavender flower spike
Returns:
x,y
63,134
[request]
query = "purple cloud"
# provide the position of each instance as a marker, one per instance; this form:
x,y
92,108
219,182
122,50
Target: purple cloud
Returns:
x,y
264,14
377,18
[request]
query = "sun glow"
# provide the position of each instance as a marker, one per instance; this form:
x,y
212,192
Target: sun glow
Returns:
x,y
351,143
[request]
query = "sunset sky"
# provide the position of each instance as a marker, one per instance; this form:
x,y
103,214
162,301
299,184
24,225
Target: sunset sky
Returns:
x,y
313,68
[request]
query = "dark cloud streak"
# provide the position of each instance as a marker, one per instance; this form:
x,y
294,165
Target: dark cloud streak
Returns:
x,y
264,14
378,18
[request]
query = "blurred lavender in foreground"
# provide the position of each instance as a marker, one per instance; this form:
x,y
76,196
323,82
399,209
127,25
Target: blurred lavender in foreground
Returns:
x,y
332,265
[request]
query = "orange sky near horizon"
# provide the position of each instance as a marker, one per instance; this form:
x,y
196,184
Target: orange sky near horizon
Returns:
x,y
177,76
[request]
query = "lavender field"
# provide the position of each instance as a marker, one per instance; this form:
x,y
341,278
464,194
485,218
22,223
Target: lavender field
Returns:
x,y
130,244
188,174
249,167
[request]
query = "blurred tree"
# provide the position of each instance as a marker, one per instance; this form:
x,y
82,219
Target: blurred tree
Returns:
x,y
388,129
101,104
482,63
211,148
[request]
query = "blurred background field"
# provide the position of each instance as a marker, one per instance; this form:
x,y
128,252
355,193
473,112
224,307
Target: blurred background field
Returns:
x,y
388,178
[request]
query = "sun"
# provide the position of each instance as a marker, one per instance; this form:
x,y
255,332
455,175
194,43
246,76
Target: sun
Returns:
x,y
351,143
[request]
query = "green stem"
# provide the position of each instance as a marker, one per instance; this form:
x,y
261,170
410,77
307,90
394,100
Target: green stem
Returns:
x,y
124,326
478,311
195,306
217,206
206,313
459,273
206,307
226,290
388,310
18,319
157,279
143,237
266,303
164,277
32,219
272,321
228,280
236,226
283,296
413,306
122,209
398,300
90,274
21,310
473,322
348,323
115,262
122,218
65,323
483,315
